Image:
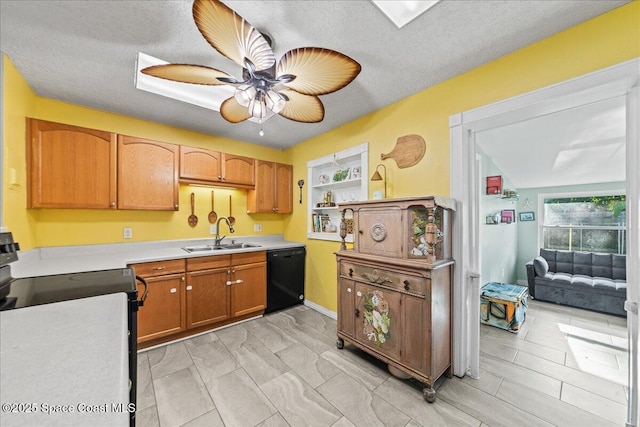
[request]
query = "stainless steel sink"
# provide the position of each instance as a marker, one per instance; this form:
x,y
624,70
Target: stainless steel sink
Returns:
x,y
226,246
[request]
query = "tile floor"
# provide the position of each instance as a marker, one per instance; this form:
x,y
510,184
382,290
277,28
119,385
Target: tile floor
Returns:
x,y
566,367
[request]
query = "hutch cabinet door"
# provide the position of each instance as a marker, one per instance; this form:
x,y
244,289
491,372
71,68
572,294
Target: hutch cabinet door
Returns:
x,y
346,305
415,345
378,319
208,297
380,231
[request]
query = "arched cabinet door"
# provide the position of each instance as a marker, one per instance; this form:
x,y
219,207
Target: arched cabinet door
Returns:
x,y
70,166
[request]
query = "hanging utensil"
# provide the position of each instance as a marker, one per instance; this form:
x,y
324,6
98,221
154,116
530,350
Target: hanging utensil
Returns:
x,y
232,220
193,220
213,216
301,184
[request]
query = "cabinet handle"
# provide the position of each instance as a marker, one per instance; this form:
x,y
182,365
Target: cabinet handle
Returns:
x,y
113,204
229,282
158,268
406,285
351,272
189,288
360,231
176,206
220,177
357,313
173,290
349,290
359,293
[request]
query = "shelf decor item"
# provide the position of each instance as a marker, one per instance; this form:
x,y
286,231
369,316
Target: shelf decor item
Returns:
x,y
508,216
494,184
408,151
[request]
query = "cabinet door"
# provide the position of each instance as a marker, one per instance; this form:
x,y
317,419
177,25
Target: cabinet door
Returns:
x,y
415,344
284,188
199,165
380,231
70,166
346,306
262,199
208,297
248,289
238,169
147,174
163,312
378,322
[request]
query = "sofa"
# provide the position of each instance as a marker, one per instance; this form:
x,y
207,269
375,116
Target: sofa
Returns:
x,y
593,281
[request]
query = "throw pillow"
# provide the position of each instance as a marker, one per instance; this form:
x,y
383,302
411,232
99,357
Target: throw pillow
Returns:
x,y
540,266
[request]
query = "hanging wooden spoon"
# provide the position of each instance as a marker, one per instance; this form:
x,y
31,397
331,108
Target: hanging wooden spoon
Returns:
x,y
213,216
232,220
193,220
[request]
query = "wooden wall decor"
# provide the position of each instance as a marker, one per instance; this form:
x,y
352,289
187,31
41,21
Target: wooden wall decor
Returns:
x,y
408,151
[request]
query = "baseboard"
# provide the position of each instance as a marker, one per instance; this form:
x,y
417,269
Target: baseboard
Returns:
x,y
321,309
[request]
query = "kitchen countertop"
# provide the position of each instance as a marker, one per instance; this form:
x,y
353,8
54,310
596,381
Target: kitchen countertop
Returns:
x,y
75,259
54,372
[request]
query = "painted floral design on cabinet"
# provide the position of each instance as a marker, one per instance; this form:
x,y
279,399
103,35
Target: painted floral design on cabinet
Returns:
x,y
376,317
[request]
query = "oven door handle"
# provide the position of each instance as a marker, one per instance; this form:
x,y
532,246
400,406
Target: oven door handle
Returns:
x,y
146,291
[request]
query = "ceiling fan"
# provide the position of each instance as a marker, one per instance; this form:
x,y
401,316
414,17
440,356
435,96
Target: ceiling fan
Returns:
x,y
290,88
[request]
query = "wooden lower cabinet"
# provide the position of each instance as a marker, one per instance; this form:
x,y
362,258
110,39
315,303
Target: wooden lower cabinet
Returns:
x,y
207,297
398,311
193,295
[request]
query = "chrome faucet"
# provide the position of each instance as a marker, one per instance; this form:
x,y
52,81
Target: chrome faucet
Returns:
x,y
218,238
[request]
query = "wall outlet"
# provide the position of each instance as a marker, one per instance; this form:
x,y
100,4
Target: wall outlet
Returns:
x,y
257,227
127,233
213,229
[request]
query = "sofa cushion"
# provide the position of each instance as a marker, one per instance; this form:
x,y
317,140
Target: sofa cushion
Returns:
x,y
582,263
550,256
619,267
602,265
540,266
564,262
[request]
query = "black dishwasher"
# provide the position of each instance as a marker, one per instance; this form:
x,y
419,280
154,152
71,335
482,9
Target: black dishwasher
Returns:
x,y
285,278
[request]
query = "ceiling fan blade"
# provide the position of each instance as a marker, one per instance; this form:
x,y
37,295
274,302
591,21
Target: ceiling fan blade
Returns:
x,y
302,108
318,71
185,73
232,36
233,112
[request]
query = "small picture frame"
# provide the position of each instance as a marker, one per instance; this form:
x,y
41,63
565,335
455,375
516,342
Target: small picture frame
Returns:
x,y
527,216
356,172
491,219
508,216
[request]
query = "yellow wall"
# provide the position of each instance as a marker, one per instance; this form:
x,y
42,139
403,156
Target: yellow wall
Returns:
x,y
606,40
59,227
601,42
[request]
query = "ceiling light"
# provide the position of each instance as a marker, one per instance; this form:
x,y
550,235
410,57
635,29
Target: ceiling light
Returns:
x,y
403,12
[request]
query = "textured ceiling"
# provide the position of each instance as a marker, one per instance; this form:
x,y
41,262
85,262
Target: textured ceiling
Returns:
x,y
83,52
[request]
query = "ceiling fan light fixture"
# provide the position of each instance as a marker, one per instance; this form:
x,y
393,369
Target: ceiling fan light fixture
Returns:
x,y
258,106
244,94
275,101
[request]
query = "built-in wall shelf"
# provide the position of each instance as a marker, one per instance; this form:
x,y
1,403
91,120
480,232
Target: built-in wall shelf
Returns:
x,y
337,178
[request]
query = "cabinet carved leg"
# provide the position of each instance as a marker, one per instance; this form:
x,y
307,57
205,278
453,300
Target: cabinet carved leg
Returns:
x,y
429,394
340,343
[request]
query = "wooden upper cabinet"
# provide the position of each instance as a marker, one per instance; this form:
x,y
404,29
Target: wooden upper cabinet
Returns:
x,y
70,166
198,164
238,170
147,174
202,166
284,188
273,191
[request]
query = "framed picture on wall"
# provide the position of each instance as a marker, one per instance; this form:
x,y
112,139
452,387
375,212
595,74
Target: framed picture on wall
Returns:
x,y
508,216
494,184
527,216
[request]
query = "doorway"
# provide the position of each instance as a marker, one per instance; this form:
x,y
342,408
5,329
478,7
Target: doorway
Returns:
x,y
619,80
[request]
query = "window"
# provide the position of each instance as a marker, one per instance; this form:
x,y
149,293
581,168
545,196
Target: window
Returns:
x,y
591,223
